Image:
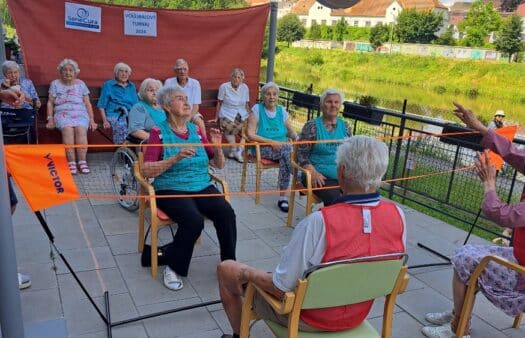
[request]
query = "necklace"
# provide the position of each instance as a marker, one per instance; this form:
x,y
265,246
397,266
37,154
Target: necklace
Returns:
x,y
179,130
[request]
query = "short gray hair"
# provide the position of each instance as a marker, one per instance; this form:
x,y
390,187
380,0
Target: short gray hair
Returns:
x,y
166,94
68,62
365,161
181,61
6,65
329,92
237,71
144,85
269,85
121,65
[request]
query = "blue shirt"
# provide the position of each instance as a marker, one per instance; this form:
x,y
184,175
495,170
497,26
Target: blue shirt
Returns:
x,y
29,91
113,96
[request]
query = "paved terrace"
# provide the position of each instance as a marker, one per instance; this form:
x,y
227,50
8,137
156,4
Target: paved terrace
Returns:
x,y
99,239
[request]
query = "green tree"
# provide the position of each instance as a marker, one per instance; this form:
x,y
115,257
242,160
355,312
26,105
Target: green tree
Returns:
x,y
327,32
378,35
314,32
418,26
509,38
447,38
340,30
481,20
289,29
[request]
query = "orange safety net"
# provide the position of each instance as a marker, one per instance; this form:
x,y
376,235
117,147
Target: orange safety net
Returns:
x,y
42,173
213,43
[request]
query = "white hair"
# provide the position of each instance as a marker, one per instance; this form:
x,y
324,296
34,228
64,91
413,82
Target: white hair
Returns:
x,y
179,62
269,85
119,66
68,62
364,161
237,71
7,65
329,92
166,94
144,85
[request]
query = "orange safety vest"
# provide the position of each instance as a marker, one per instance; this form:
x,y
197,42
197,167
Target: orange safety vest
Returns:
x,y
350,233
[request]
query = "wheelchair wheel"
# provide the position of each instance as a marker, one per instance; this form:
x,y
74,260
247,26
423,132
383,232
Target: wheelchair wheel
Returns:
x,y
124,183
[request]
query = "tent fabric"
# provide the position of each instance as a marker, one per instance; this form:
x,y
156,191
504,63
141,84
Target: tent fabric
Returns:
x,y
213,43
42,174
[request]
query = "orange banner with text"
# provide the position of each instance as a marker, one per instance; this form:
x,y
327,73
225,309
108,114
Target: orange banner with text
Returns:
x,y
42,174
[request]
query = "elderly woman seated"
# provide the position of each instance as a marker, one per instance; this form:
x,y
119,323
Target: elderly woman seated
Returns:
x,y
182,169
270,123
319,158
12,79
147,112
117,96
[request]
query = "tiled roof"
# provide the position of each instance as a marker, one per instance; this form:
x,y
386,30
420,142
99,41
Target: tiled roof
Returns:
x,y
521,10
460,7
378,7
302,7
256,2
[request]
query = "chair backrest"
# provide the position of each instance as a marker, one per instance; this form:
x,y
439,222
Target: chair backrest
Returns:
x,y
349,282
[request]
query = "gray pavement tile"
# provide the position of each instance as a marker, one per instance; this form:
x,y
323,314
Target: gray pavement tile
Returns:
x,y
129,266
28,252
266,264
123,244
82,318
414,283
275,237
40,305
515,333
86,259
207,289
208,245
221,319
440,281
207,334
79,236
260,218
180,324
203,268
68,209
254,249
489,313
403,325
96,283
55,328
115,220
146,290
42,275
125,331
421,301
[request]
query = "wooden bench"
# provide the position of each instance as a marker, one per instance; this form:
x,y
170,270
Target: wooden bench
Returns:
x,y
102,136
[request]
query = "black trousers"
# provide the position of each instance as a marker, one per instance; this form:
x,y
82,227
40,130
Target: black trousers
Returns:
x,y
327,195
189,213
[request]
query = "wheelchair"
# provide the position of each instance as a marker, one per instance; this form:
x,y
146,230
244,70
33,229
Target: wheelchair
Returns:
x,y
18,125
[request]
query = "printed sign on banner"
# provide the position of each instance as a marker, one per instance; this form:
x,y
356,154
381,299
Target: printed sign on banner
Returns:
x,y
83,17
140,23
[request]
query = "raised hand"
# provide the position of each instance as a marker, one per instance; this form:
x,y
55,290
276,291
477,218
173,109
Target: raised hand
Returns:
x,y
486,171
468,117
215,136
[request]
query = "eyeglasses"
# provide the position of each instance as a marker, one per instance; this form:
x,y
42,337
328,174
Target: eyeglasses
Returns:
x,y
184,69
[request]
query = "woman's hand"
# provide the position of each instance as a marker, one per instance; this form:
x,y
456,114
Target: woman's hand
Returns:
x,y
468,117
317,178
50,124
184,153
105,124
215,136
486,171
276,146
93,125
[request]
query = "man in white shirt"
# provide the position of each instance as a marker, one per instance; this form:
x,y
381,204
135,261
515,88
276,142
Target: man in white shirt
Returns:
x,y
191,87
361,163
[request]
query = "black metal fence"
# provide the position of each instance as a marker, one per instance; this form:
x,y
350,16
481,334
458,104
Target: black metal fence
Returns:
x,y
425,169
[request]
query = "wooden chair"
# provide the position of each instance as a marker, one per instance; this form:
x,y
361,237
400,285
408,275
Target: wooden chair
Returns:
x,y
157,217
468,303
260,165
311,198
334,284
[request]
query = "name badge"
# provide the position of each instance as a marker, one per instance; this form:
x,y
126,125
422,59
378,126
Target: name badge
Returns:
x,y
367,221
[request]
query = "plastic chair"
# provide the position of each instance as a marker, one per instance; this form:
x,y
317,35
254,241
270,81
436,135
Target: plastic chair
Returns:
x,y
468,303
311,198
157,217
334,284
260,165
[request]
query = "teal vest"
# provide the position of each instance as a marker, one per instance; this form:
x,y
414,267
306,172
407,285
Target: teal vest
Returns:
x,y
274,129
189,174
322,155
157,115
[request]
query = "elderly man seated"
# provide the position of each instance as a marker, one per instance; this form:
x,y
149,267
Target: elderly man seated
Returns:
x,y
359,217
11,72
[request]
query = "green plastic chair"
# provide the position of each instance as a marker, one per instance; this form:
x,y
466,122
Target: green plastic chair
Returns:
x,y
334,284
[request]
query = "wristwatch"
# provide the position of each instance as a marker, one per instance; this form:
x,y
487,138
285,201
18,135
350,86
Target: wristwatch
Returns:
x,y
49,117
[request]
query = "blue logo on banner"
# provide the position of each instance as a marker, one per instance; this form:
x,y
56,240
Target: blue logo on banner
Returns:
x,y
82,20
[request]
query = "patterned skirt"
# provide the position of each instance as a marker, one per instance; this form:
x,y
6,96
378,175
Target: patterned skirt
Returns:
x,y
496,282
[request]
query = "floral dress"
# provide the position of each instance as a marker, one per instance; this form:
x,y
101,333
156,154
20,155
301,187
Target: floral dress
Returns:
x,y
70,110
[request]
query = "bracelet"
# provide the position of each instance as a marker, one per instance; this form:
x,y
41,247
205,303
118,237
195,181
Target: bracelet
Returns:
x,y
49,117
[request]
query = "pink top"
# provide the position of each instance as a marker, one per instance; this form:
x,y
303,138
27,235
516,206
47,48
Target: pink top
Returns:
x,y
153,154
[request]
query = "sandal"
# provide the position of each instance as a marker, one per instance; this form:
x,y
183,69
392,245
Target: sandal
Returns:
x,y
73,167
283,205
83,167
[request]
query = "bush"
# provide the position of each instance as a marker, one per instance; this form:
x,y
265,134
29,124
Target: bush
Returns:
x,y
472,93
440,89
315,59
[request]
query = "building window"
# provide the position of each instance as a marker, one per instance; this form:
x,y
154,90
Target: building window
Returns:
x,y
379,23
323,22
356,23
334,22
303,21
319,7
314,21
368,23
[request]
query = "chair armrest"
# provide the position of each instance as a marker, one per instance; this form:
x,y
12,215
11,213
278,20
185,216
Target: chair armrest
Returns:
x,y
148,188
498,260
281,306
224,185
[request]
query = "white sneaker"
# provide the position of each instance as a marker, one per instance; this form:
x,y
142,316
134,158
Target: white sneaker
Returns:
x,y
439,318
24,281
238,156
171,280
443,331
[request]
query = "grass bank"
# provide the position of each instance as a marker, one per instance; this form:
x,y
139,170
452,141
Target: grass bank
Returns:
x,y
429,84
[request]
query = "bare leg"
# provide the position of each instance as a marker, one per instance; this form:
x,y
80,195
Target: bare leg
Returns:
x,y
230,139
81,139
68,138
458,291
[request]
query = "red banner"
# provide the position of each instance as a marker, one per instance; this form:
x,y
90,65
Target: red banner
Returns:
x,y
213,43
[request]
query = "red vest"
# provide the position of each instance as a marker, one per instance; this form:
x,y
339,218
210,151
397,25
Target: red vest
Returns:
x,y
346,238
519,239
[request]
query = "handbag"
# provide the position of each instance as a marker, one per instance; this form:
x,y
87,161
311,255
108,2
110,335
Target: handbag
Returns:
x,y
162,258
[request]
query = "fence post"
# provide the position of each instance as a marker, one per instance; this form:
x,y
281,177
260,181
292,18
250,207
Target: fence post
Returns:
x,y
399,143
271,42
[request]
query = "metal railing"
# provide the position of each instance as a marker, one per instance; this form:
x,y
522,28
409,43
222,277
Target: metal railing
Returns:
x,y
423,169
